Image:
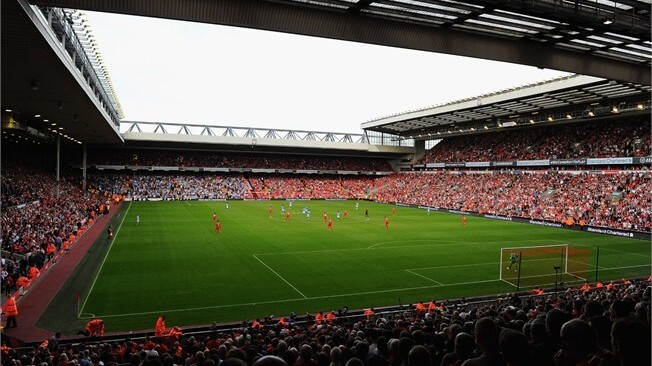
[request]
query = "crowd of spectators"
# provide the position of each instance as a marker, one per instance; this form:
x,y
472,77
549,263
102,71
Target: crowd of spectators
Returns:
x,y
589,325
39,216
616,199
304,187
173,187
235,160
619,200
592,140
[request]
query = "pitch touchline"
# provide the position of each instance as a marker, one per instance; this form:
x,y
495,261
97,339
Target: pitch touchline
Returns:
x,y
281,277
104,260
297,299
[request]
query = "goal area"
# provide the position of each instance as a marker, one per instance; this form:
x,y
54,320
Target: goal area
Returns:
x,y
544,265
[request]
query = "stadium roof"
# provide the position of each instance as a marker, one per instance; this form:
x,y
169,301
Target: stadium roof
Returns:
x,y
569,98
43,75
49,82
610,39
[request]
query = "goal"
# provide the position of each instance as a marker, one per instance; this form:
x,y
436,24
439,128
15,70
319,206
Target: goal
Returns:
x,y
544,265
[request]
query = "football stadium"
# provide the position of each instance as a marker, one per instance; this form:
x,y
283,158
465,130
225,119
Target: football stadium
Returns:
x,y
509,227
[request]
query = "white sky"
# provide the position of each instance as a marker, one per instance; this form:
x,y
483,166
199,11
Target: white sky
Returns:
x,y
183,72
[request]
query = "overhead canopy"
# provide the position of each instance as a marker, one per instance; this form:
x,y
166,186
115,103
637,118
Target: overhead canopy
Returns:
x,y
609,39
569,98
43,87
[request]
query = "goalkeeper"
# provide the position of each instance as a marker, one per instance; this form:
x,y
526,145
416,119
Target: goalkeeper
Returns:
x,y
513,260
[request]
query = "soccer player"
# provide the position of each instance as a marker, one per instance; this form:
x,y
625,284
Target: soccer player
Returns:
x,y
282,208
270,210
428,210
308,214
214,216
366,213
287,215
218,227
357,204
227,205
325,217
137,219
513,259
338,215
386,223
290,204
109,233
346,214
464,220
330,224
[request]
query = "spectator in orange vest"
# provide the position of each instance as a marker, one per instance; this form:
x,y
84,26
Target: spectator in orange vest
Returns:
x,y
176,333
331,317
599,285
610,286
33,272
319,318
159,330
586,287
369,313
22,281
50,250
283,322
420,308
256,324
432,305
626,281
93,328
11,310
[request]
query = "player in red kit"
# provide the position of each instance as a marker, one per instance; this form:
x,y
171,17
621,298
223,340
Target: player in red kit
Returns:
x,y
287,215
345,214
214,216
270,211
325,217
330,224
386,223
463,220
218,227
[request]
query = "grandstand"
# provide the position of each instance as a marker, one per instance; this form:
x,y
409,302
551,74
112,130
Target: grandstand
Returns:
x,y
528,206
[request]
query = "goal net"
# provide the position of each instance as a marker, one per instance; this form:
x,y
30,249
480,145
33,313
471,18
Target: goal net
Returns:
x,y
545,265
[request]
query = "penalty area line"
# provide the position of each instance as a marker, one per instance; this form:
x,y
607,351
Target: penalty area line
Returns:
x,y
427,278
281,277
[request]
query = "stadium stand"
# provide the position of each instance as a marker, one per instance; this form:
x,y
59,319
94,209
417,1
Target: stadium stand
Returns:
x,y
598,325
40,218
235,160
592,140
612,199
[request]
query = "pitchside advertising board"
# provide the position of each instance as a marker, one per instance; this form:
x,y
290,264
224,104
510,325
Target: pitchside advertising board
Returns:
x,y
540,162
540,222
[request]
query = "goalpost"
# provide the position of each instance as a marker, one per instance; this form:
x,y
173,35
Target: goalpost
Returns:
x,y
544,265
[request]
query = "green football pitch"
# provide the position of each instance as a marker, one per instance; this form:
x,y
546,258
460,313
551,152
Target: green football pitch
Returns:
x,y
174,263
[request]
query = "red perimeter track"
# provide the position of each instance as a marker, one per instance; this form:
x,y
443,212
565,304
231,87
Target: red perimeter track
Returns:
x,y
32,305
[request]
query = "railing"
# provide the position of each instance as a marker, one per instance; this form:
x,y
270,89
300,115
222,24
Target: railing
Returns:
x,y
61,24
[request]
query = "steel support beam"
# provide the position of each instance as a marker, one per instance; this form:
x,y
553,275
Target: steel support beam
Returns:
x,y
361,27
